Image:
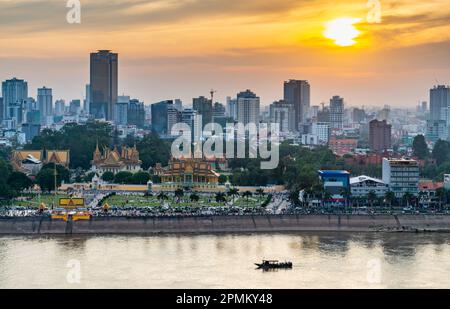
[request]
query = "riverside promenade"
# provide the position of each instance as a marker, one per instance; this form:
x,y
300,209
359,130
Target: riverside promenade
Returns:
x,y
226,224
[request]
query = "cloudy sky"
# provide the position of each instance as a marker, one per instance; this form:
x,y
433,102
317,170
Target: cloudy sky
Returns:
x,y
183,48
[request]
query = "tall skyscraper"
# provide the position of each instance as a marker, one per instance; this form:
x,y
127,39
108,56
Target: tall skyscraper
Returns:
x,y
337,112
248,107
1,109
60,107
283,113
121,114
204,107
45,104
439,102
232,108
380,136
298,93
103,84
87,100
160,117
14,92
136,113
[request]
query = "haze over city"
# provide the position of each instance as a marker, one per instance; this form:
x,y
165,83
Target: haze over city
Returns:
x,y
183,48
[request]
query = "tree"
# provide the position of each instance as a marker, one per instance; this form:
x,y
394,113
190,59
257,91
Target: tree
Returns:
x,y
247,195
140,178
407,197
371,197
153,150
162,196
222,179
123,178
19,181
390,198
46,176
194,197
220,198
108,176
233,192
441,152
420,147
179,193
81,140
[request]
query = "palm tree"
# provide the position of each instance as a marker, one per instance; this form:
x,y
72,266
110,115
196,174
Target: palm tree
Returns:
x,y
179,193
346,193
162,196
194,197
220,198
233,192
247,195
407,198
327,196
441,195
371,197
390,198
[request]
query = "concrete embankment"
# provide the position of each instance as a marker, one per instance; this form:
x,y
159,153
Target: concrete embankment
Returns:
x,y
226,224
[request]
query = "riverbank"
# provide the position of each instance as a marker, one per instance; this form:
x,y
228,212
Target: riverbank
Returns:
x,y
226,224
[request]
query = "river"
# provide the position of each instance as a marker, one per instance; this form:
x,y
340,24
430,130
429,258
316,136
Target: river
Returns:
x,y
321,260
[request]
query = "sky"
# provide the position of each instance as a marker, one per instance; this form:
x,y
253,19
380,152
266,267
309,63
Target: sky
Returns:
x,y
183,48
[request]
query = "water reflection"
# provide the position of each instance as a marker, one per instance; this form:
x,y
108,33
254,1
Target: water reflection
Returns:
x,y
323,260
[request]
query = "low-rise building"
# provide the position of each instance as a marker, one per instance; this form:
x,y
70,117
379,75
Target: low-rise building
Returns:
x,y
361,186
335,183
402,176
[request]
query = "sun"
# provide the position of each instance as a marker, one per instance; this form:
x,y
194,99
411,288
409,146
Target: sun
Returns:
x,y
342,31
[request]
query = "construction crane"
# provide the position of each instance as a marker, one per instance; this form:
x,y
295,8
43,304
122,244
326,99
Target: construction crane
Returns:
x,y
212,95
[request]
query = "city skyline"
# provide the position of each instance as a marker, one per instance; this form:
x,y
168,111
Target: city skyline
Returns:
x,y
166,45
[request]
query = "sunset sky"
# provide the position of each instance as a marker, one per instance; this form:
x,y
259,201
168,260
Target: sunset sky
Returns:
x,y
183,48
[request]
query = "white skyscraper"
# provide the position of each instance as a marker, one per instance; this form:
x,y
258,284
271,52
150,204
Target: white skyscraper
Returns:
x,y
248,108
45,104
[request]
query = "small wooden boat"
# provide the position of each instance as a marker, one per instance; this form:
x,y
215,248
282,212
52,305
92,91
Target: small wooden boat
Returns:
x,y
274,265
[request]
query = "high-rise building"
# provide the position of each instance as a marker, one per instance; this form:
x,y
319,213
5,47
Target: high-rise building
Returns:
x,y
103,84
173,117
178,104
1,109
75,107
436,130
45,104
136,113
31,130
358,115
248,108
204,107
322,131
298,93
14,92
337,112
439,102
87,100
121,114
232,108
380,136
283,113
219,110
402,176
192,119
160,117
60,107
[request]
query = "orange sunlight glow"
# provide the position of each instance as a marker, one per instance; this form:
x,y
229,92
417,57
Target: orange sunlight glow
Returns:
x,y
342,31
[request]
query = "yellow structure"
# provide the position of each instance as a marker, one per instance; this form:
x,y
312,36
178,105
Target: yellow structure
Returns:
x,y
71,202
71,216
188,172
